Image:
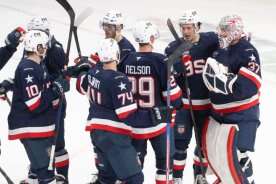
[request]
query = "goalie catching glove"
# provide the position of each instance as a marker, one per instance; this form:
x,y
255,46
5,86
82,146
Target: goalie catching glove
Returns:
x,y
216,77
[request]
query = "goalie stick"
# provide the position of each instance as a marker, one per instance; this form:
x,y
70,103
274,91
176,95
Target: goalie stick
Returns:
x,y
181,49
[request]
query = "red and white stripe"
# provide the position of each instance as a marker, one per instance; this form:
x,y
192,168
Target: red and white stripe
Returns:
x,y
62,160
32,132
55,103
198,163
147,133
202,104
161,179
108,125
124,111
256,79
179,165
237,105
34,102
175,93
79,83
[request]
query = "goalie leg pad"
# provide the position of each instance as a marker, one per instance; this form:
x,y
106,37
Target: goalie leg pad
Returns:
x,y
220,148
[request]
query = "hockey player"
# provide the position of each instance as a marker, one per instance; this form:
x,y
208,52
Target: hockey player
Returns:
x,y
55,60
12,41
233,79
112,24
32,115
148,73
111,103
204,44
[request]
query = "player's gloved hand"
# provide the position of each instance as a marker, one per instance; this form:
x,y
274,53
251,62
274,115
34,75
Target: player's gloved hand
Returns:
x,y
14,38
6,85
95,58
216,77
159,114
83,64
60,86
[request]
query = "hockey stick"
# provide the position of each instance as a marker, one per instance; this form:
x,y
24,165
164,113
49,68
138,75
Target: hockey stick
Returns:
x,y
8,179
8,99
82,16
173,58
74,25
73,28
186,48
53,148
71,13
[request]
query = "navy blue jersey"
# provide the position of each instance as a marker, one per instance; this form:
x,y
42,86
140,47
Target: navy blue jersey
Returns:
x,y
200,51
147,72
32,113
243,60
125,47
111,100
55,59
5,54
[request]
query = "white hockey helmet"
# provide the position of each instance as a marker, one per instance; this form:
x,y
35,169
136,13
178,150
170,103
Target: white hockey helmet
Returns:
x,y
36,41
113,18
39,23
189,17
144,30
230,28
109,51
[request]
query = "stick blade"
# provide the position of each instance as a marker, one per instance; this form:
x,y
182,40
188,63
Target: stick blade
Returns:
x,y
83,15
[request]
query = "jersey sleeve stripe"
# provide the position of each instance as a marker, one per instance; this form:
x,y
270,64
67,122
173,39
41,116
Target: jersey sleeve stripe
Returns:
x,y
32,132
123,112
34,102
175,93
251,76
79,83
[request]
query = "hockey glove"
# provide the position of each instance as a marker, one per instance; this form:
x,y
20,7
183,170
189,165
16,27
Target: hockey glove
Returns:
x,y
14,38
216,77
60,86
6,85
95,58
82,65
159,115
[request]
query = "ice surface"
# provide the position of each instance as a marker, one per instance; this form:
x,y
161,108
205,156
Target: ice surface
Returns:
x,y
259,17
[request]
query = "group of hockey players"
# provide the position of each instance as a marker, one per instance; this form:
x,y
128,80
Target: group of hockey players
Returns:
x,y
214,88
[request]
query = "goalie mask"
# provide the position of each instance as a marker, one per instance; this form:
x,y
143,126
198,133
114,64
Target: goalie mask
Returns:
x,y
230,29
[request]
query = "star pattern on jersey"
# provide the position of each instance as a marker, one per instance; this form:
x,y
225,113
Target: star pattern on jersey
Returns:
x,y
252,58
29,79
122,86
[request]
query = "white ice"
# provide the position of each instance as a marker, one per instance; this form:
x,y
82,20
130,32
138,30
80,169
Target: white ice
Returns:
x,y
258,17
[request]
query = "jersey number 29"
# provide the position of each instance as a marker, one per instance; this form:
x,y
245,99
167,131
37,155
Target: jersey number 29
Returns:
x,y
144,87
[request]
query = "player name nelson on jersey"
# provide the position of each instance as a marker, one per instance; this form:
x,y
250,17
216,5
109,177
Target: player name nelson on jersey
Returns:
x,y
140,70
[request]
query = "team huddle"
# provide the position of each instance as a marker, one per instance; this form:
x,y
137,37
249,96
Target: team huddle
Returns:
x,y
135,97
